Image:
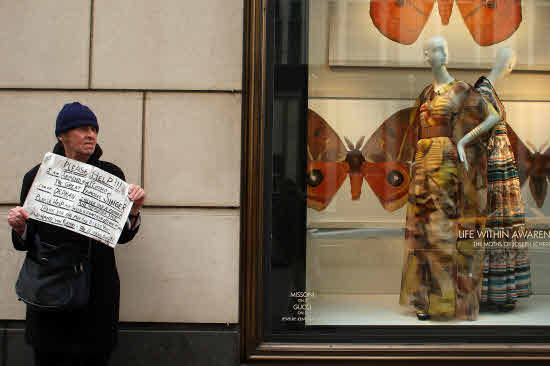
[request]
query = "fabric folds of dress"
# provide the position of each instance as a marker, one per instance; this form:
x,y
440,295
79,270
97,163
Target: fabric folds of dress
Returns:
x,y
506,265
442,271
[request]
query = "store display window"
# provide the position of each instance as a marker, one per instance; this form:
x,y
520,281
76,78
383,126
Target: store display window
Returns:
x,y
405,171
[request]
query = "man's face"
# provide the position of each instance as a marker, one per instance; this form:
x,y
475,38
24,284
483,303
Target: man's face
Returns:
x,y
79,142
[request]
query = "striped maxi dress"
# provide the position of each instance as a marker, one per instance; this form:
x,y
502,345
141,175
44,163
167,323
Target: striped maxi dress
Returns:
x,y
506,267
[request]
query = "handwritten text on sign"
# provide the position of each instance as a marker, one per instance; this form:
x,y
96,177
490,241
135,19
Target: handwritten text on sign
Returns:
x,y
80,198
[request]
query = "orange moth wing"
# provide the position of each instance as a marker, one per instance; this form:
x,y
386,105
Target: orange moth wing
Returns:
x,y
490,21
445,9
326,168
324,179
388,154
401,20
521,153
532,166
389,181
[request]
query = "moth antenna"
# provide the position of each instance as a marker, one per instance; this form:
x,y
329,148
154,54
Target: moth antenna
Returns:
x,y
543,146
325,149
349,143
359,143
309,154
533,148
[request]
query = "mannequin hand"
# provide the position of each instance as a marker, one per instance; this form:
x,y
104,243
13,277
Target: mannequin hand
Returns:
x,y
462,153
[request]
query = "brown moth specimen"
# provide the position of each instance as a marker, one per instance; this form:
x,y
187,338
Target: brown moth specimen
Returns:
x,y
533,165
383,161
489,21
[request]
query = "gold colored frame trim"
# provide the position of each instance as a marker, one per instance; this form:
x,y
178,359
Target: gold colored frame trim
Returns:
x,y
252,345
254,62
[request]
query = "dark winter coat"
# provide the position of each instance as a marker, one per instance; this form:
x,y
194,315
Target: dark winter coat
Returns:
x,y
94,328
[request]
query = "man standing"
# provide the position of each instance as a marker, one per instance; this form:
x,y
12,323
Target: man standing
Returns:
x,y
85,336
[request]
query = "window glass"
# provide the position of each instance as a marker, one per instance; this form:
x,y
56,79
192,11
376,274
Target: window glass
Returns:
x,y
409,162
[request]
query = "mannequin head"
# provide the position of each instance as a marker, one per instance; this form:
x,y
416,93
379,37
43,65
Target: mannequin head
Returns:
x,y
436,51
504,63
506,57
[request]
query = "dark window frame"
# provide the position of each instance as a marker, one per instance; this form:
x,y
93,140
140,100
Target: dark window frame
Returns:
x,y
352,342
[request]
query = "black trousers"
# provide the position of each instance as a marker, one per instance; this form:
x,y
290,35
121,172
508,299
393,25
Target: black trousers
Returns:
x,y
42,358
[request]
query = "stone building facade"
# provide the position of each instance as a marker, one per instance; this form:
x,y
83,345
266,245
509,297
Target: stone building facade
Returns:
x,y
164,79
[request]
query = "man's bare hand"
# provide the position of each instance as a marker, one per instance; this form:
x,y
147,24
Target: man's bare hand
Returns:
x,y
17,218
136,194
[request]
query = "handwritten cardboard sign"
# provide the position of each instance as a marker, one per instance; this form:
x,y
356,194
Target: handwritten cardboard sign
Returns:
x,y
79,197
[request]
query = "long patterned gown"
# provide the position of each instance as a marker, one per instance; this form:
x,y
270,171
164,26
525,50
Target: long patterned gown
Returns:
x,y
442,272
506,266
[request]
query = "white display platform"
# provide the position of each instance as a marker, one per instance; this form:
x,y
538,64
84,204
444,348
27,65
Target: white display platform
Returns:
x,y
338,309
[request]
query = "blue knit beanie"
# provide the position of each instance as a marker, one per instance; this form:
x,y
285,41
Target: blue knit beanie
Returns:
x,y
74,115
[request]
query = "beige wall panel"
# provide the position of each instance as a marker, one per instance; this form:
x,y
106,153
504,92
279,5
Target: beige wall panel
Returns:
x,y
28,122
11,261
540,264
192,149
168,44
361,261
182,267
408,83
44,44
371,262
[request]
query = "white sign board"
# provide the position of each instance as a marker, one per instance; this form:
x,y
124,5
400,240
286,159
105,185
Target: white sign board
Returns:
x,y
79,197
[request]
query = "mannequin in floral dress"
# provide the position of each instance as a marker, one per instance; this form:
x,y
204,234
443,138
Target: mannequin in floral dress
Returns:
x,y
442,272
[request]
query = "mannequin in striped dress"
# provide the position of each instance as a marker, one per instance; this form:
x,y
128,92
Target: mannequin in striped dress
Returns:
x,y
506,268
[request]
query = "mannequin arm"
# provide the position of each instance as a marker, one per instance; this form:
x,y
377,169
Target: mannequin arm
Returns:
x,y
481,129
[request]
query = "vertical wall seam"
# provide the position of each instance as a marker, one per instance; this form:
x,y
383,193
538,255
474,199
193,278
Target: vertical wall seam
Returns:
x,y
143,111
90,46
